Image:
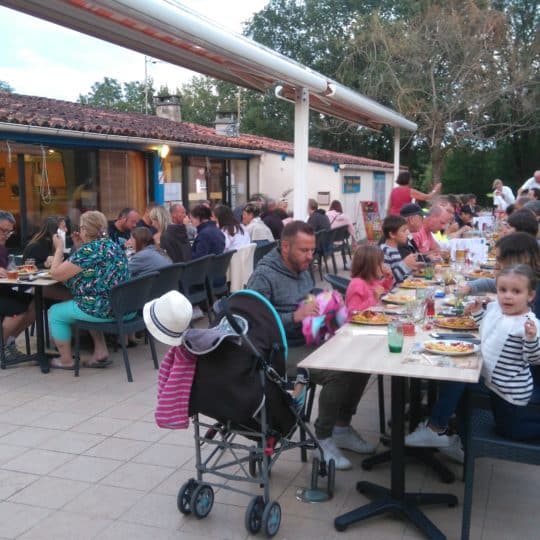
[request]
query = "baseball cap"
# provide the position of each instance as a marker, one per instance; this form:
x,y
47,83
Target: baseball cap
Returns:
x,y
411,209
467,209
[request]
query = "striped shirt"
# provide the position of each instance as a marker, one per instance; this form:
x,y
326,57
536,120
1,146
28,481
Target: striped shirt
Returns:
x,y
507,353
393,259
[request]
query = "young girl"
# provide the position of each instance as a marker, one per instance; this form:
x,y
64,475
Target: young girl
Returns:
x,y
370,279
510,344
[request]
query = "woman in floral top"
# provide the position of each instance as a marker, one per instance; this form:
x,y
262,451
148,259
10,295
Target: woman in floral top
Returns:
x,y
90,273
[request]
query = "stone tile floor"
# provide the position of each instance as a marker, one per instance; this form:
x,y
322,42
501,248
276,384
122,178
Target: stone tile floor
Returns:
x,y
81,458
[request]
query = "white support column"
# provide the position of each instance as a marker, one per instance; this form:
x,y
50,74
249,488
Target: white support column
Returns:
x,y
396,154
301,139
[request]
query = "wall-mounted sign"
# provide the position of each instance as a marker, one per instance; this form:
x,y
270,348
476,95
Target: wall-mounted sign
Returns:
x,y
351,184
323,197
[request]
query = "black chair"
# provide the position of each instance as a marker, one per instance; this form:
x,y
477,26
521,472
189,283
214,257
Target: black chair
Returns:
x,y
193,281
483,441
168,280
262,250
216,282
126,298
340,244
323,249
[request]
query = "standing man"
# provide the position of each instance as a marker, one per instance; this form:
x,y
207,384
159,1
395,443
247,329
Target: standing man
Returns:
x,y
13,299
120,230
317,219
283,277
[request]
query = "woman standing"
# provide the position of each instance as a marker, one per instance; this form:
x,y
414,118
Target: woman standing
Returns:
x,y
502,195
404,194
90,274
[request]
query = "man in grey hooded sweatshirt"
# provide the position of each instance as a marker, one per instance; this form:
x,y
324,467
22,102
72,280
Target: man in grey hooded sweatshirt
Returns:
x,y
283,277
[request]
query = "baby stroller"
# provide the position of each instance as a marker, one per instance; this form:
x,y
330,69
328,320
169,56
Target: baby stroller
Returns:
x,y
242,386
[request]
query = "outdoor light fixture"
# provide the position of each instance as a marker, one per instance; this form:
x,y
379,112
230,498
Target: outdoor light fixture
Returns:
x,y
164,150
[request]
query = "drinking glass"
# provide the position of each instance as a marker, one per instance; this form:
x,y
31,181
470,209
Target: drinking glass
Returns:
x,y
395,336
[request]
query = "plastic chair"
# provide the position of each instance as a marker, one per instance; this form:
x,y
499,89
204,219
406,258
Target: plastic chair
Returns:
x,y
168,280
193,282
483,441
126,298
216,281
340,244
261,251
323,249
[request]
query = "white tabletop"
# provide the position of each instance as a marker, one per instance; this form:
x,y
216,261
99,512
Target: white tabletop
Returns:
x,y
39,282
353,349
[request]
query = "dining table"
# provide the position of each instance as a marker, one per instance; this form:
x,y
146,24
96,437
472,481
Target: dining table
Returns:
x,y
364,349
38,282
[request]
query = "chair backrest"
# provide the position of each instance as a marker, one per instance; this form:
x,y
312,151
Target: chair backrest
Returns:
x,y
168,280
195,273
341,234
323,241
338,283
261,251
219,265
241,267
130,296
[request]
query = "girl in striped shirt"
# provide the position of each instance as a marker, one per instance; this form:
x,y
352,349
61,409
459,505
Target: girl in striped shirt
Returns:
x,y
510,345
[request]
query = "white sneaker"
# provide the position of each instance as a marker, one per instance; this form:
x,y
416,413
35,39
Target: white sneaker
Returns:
x,y
455,450
331,451
352,440
426,437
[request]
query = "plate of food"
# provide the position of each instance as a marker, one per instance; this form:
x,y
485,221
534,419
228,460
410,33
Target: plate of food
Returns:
x,y
450,347
456,323
397,298
370,317
414,283
477,274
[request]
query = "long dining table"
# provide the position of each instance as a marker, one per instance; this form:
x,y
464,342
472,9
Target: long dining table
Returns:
x,y
38,284
365,350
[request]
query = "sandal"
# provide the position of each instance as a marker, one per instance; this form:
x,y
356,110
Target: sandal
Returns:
x,y
58,365
98,364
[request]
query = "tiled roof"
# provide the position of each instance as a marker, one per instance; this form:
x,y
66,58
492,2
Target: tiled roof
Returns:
x,y
45,112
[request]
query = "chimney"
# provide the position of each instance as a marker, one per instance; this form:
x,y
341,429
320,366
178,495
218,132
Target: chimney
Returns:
x,y
168,107
227,123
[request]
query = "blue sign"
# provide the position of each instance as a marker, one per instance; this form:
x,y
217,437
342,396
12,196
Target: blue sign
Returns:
x,y
351,184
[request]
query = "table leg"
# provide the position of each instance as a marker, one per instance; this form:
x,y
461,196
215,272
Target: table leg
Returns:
x,y
40,331
395,500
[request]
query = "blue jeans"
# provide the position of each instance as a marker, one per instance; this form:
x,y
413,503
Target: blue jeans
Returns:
x,y
450,394
514,421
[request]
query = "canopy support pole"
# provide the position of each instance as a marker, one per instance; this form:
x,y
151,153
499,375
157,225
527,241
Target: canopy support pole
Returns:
x,y
396,152
301,152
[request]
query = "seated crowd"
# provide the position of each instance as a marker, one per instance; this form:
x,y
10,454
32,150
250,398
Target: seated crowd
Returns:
x,y
105,254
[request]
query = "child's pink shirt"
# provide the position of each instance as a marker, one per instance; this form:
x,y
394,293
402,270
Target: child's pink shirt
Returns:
x,y
361,295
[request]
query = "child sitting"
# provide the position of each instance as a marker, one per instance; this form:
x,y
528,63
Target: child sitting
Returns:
x,y
370,279
510,344
396,232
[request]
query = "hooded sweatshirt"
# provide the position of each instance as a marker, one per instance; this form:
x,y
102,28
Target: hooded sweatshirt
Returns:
x,y
284,289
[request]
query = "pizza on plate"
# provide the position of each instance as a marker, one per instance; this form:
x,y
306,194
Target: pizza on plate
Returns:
x,y
449,347
370,317
414,283
456,323
476,274
396,298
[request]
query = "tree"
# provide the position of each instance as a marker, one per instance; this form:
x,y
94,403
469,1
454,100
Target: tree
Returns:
x,y
5,87
446,68
129,96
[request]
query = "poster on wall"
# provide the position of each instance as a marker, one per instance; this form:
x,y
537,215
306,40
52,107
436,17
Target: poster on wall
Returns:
x,y
369,214
351,184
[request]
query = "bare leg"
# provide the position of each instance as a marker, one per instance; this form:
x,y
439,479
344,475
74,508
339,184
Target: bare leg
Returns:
x,y
13,326
100,347
64,348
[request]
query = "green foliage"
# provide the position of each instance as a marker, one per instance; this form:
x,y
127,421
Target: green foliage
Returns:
x,y
6,87
128,97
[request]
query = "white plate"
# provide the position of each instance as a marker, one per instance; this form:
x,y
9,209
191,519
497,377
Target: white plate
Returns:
x,y
474,350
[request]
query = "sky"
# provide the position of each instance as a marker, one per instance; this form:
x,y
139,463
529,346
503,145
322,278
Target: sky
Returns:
x,y
42,59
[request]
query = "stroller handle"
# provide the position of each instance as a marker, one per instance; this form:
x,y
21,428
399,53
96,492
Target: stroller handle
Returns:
x,y
224,306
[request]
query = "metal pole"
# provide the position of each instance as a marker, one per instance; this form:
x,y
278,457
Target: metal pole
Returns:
x,y
145,84
396,152
301,152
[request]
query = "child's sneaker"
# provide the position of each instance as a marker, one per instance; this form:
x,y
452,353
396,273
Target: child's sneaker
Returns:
x,y
424,436
299,393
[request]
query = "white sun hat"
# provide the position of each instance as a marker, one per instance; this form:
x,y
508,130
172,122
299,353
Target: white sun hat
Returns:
x,y
167,317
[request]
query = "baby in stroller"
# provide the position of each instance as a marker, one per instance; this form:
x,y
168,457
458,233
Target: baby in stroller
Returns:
x,y
239,383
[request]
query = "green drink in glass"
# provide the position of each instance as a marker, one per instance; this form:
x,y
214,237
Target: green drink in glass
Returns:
x,y
395,336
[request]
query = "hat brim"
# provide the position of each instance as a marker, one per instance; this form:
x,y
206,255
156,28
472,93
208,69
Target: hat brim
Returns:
x,y
154,330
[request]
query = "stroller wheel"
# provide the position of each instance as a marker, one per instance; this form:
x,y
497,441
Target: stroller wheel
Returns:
x,y
254,513
315,473
184,496
202,500
271,518
331,480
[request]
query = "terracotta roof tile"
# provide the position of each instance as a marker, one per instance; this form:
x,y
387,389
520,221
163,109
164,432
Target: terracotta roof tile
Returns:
x,y
45,112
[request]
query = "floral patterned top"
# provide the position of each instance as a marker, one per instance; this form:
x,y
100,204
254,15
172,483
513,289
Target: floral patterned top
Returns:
x,y
104,265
